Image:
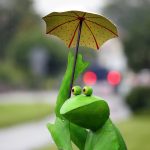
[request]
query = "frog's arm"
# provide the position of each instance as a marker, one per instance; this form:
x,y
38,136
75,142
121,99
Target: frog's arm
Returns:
x,y
65,85
63,131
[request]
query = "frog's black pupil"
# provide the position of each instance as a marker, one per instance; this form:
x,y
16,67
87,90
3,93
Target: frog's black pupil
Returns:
x,y
72,90
83,90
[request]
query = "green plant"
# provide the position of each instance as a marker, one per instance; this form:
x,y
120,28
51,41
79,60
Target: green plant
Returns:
x,y
10,75
139,98
136,35
16,113
21,48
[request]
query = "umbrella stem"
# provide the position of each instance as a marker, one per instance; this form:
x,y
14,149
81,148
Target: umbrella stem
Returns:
x,y
76,55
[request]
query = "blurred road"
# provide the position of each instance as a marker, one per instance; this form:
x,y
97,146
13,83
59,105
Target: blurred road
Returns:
x,y
26,136
28,97
33,135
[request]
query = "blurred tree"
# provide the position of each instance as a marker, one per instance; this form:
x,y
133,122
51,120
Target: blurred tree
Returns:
x,y
133,18
22,46
20,35
14,15
139,99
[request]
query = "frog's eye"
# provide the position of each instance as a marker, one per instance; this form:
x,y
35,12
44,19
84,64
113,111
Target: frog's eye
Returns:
x,y
87,91
76,90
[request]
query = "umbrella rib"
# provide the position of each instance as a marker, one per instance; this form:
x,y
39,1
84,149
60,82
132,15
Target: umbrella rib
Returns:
x,y
84,14
73,35
102,26
92,35
61,25
75,14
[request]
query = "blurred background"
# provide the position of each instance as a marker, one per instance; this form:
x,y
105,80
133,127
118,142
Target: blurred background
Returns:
x,y
32,65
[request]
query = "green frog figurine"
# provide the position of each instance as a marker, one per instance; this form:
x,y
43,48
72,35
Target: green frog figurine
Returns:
x,y
83,118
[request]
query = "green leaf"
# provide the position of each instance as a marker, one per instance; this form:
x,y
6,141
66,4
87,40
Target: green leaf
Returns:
x,y
61,134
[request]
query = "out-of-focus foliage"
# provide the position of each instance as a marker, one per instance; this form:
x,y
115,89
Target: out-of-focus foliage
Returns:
x,y
20,48
15,15
21,33
15,113
136,132
10,76
133,18
139,98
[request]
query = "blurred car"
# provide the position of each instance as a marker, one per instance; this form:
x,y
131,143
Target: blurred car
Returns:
x,y
108,79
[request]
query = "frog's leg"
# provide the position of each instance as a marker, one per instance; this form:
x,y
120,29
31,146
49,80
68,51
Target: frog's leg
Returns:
x,y
106,138
62,131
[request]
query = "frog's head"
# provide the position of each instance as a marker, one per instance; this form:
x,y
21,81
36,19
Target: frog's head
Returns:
x,y
85,110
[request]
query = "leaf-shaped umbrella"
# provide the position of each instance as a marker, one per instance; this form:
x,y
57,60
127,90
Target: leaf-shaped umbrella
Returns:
x,y
80,28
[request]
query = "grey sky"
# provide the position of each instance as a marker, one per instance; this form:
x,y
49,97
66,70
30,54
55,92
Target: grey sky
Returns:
x,y
47,6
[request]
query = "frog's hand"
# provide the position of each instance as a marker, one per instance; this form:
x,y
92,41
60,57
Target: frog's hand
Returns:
x,y
65,86
78,135
61,134
106,138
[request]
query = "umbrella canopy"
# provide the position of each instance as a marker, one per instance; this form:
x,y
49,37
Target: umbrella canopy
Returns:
x,y
96,29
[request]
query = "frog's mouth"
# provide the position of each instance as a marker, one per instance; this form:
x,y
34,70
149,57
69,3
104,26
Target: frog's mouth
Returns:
x,y
88,112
